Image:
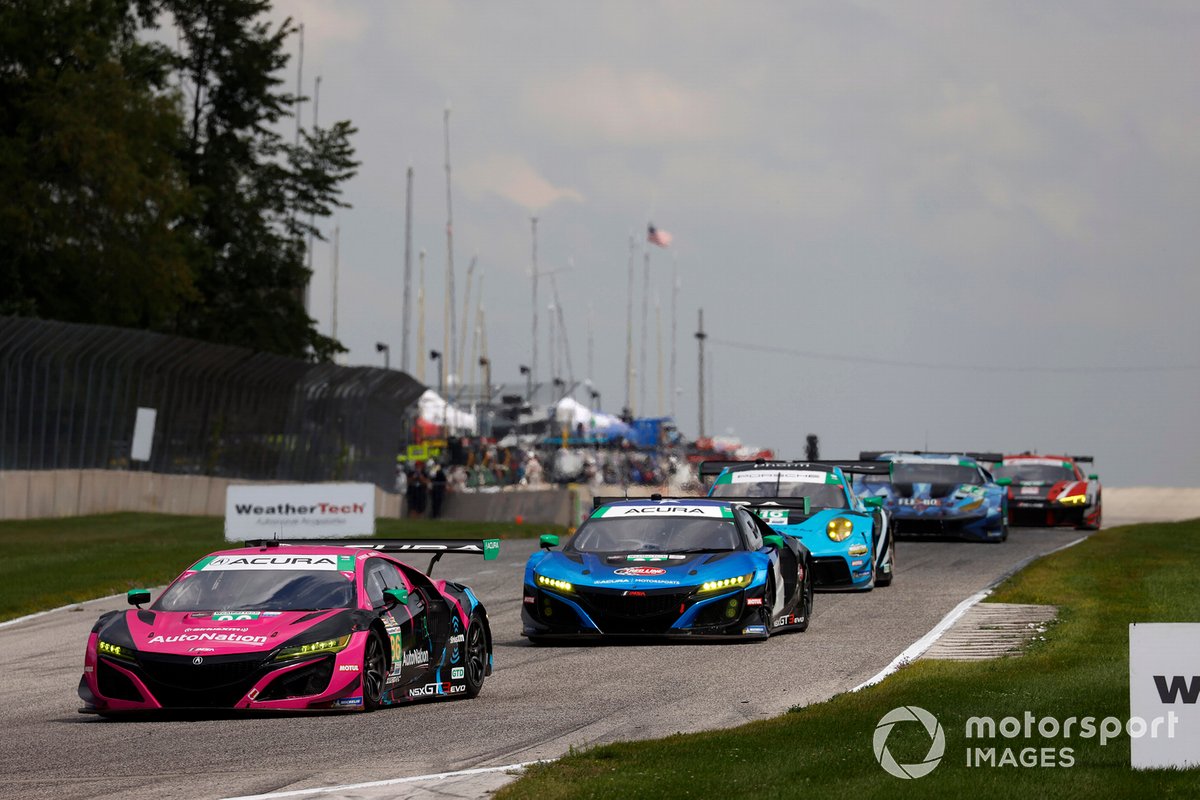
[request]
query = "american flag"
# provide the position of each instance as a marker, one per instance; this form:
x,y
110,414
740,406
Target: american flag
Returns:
x,y
658,237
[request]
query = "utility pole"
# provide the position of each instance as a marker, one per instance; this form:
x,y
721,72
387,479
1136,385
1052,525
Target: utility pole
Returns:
x,y
466,316
448,346
700,337
407,310
421,320
534,273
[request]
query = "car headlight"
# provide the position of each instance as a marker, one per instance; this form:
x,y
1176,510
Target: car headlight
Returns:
x,y
114,650
839,529
971,506
1073,500
314,648
553,583
727,583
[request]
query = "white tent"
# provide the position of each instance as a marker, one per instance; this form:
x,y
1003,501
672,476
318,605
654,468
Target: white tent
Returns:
x,y
436,410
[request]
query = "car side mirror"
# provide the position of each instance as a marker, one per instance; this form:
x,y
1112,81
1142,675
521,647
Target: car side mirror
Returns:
x,y
1093,477
775,540
135,597
874,501
548,541
1004,481
396,596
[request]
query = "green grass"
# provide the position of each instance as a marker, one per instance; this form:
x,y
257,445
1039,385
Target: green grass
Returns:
x,y
48,563
1143,573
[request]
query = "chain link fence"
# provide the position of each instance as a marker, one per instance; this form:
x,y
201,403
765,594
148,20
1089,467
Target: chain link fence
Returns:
x,y
69,396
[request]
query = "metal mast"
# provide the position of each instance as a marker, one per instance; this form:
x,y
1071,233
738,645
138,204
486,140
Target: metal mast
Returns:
x,y
700,337
629,332
466,315
642,381
406,312
449,346
421,356
533,359
671,385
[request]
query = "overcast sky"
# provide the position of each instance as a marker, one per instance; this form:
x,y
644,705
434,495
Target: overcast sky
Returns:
x,y
940,224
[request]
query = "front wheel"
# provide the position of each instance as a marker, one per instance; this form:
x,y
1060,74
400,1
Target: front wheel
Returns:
x,y
804,604
477,657
374,672
883,578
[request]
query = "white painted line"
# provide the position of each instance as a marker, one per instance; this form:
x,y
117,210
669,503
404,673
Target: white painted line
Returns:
x,y
914,650
389,782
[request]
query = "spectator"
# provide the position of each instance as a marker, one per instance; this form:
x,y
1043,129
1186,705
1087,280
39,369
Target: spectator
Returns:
x,y
437,491
418,491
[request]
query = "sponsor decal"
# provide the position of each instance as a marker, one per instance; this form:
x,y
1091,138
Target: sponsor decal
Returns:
x,y
530,600
754,601
459,639
397,649
416,658
235,616
288,508
919,501
773,516
790,619
202,649
458,673
1030,490
654,581
332,563
668,510
783,476
198,660
348,668
232,638
252,694
754,629
431,689
640,572
88,669
651,557
215,630
348,701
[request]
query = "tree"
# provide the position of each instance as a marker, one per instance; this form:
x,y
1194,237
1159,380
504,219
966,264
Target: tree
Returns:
x,y
254,191
90,187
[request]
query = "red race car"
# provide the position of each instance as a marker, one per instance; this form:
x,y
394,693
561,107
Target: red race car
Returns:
x,y
1051,490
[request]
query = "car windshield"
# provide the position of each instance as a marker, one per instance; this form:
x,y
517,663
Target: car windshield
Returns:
x,y
917,472
258,590
1050,473
658,534
820,495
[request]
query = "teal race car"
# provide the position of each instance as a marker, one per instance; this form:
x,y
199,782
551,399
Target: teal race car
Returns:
x,y
850,537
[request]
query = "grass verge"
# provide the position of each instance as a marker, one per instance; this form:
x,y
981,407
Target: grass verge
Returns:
x,y
47,563
1143,573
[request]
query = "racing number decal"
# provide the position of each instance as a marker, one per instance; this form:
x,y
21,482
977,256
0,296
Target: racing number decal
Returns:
x,y
397,647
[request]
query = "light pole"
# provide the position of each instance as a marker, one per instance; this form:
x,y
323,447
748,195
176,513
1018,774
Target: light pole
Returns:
x,y
486,363
380,347
436,355
595,398
528,373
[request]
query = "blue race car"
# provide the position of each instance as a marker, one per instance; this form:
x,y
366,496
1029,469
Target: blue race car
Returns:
x,y
941,494
850,538
668,567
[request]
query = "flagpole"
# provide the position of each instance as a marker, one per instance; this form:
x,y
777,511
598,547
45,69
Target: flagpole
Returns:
x,y
674,303
629,332
645,324
659,341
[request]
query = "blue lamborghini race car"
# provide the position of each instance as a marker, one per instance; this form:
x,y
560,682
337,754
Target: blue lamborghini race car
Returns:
x,y
941,494
673,567
850,538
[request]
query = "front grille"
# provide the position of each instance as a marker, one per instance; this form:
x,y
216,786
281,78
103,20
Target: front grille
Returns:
x,y
217,682
830,571
115,684
303,682
617,612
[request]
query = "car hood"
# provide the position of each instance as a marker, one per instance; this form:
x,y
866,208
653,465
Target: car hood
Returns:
x,y
643,570
222,633
1047,490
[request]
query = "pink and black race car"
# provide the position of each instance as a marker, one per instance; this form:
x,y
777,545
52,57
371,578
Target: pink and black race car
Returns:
x,y
1051,490
292,625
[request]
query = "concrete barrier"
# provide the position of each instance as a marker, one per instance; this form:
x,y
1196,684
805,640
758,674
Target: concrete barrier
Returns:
x,y
45,494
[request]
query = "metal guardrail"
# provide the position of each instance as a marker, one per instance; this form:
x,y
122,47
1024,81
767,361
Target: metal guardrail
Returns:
x,y
69,396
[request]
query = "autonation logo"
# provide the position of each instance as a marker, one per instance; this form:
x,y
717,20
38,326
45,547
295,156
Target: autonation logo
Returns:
x,y
988,741
937,744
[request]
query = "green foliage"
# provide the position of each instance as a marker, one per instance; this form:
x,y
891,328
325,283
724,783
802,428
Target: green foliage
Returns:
x,y
146,187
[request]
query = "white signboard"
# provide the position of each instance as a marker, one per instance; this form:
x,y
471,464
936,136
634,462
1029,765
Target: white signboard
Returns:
x,y
143,434
1164,695
303,511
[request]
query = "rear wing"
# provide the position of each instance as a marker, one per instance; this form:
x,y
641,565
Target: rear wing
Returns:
x,y
654,498
874,455
859,467
1082,459
710,469
488,548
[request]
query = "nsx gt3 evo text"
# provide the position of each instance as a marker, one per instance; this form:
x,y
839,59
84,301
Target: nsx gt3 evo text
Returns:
x,y
850,538
294,625
668,567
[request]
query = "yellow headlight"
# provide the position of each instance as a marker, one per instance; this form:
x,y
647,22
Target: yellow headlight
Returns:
x,y
314,648
114,650
727,583
974,504
839,529
1073,500
553,583
858,549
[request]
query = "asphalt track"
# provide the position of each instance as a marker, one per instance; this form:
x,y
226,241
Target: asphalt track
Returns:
x,y
539,702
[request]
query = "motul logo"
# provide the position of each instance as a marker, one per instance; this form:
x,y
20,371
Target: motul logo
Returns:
x,y
1180,688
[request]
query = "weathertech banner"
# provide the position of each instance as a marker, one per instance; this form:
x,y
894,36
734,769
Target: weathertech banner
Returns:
x,y
297,511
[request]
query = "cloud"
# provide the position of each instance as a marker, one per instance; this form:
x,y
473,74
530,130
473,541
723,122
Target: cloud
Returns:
x,y
325,24
622,107
513,178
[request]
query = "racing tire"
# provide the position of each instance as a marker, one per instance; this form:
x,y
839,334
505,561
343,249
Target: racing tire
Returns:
x,y
885,579
475,660
374,671
805,604
1087,527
